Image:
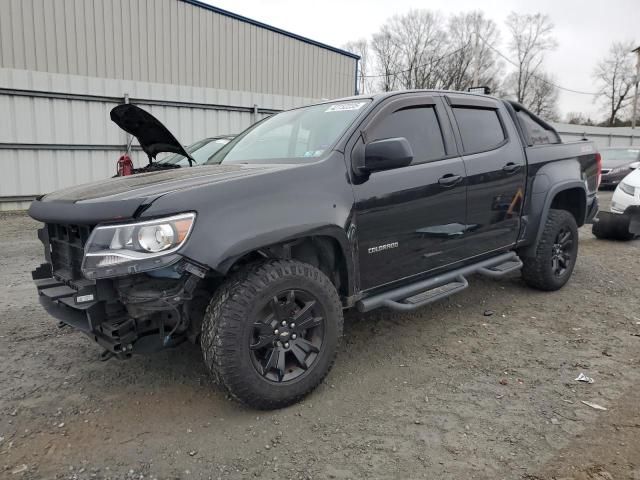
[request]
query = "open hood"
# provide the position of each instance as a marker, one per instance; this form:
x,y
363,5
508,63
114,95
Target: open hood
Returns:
x,y
152,135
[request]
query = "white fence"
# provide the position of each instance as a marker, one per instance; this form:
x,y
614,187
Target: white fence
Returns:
x,y
602,136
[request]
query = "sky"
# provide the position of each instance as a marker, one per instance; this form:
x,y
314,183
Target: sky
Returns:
x,y
584,29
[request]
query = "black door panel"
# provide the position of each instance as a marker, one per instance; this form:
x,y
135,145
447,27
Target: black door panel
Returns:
x,y
408,223
494,202
496,173
412,219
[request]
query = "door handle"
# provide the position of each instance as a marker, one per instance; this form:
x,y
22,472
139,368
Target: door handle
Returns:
x,y
449,180
511,167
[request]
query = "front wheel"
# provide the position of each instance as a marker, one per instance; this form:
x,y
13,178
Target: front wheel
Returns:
x,y
271,332
555,255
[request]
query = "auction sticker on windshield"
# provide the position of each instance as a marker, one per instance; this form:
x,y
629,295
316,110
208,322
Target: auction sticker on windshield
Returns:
x,y
343,107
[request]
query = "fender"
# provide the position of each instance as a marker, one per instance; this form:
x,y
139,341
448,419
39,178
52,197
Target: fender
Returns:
x,y
239,216
278,237
541,202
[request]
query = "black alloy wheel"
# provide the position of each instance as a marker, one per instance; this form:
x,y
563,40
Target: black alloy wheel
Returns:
x,y
562,251
271,332
287,336
550,266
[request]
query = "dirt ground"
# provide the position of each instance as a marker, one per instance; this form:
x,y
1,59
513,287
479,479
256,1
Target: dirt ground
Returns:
x,y
448,392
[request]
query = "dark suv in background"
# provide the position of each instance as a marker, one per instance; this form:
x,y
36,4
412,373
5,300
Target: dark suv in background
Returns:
x,y
617,163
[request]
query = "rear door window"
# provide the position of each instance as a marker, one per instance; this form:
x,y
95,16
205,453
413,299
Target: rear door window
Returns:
x,y
480,129
420,126
537,133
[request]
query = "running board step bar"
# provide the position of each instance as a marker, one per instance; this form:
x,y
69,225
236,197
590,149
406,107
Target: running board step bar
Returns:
x,y
428,296
502,269
419,294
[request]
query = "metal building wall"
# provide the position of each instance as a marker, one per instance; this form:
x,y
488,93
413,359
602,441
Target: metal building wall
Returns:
x,y
65,63
179,42
55,129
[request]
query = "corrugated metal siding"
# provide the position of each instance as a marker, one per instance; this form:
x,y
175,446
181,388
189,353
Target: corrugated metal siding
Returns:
x,y
169,42
158,50
66,123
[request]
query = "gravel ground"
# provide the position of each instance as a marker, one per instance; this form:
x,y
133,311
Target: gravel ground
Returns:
x,y
477,386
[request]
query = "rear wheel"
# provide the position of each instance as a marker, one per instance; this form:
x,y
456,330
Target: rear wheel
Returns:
x,y
271,331
556,253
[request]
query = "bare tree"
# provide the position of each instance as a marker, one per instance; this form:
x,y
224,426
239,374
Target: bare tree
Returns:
x,y
578,118
531,38
420,40
420,49
473,62
615,77
361,47
387,63
409,50
542,97
457,72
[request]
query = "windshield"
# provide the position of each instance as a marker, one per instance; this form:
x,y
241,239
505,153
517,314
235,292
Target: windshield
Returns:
x,y
619,157
295,136
201,151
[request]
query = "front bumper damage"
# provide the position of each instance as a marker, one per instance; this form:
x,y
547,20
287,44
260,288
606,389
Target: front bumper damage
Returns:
x,y
134,314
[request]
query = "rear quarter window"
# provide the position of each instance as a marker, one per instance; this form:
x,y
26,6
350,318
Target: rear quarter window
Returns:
x,y
480,129
537,134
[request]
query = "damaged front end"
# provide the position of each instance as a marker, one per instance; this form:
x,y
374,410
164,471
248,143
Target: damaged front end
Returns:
x,y
126,300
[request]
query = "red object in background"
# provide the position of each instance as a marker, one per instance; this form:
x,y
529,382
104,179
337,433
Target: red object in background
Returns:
x,y
125,166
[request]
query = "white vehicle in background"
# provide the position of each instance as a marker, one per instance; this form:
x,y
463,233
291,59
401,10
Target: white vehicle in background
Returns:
x,y
627,193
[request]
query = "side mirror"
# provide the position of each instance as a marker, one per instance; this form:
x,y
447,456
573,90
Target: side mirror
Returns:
x,y
634,165
387,154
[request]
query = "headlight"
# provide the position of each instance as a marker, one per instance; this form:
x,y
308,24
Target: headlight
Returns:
x,y
628,189
157,238
123,249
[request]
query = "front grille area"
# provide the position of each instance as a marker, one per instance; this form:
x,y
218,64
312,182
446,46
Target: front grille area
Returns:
x,y
67,249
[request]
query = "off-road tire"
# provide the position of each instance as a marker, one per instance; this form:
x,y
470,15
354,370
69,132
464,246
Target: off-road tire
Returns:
x,y
229,318
599,231
612,227
537,271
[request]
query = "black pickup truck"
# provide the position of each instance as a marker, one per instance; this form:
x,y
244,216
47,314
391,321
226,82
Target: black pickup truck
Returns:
x,y
390,200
